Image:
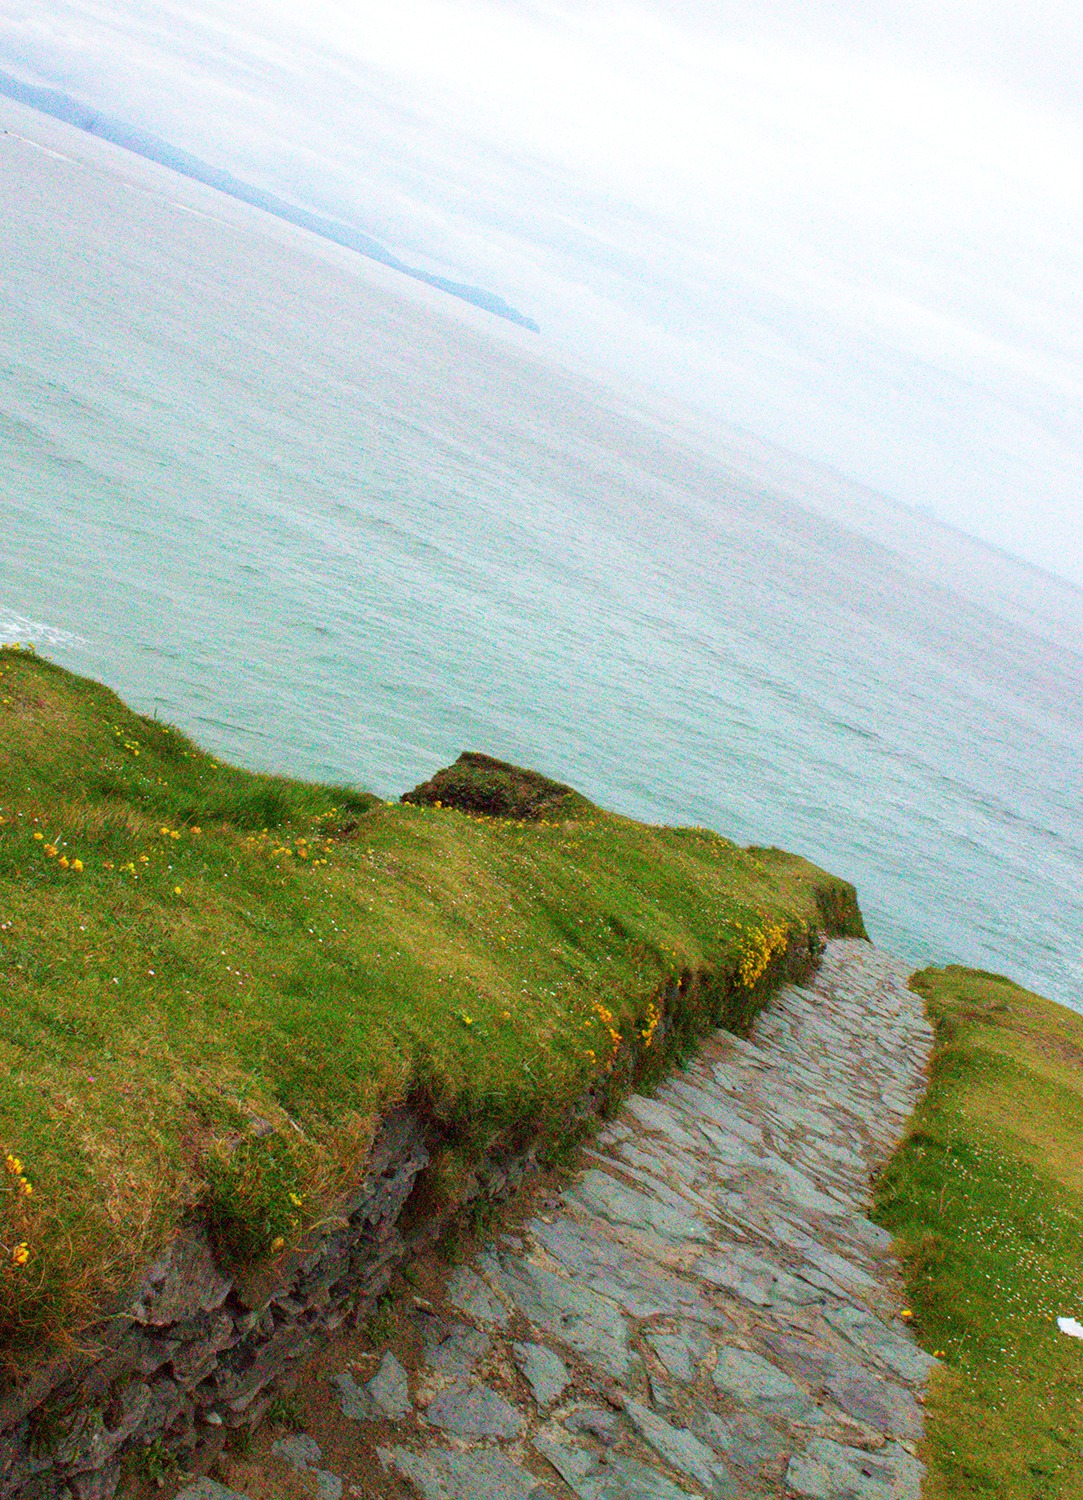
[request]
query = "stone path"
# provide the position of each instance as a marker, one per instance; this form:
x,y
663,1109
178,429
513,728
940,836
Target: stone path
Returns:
x,y
707,1311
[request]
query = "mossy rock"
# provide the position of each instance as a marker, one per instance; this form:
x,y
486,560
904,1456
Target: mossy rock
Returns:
x,y
482,784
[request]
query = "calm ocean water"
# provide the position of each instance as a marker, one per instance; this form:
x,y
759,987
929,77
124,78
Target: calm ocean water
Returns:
x,y
337,526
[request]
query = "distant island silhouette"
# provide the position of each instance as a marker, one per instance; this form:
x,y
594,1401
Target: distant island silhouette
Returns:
x,y
143,143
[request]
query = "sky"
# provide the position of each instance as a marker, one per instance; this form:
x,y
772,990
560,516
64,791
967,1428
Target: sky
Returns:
x,y
855,230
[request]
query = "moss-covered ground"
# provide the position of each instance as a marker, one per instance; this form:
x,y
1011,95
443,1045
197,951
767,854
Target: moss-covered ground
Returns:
x,y
212,982
986,1198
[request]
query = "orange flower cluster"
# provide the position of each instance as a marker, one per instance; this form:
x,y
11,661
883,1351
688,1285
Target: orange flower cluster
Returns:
x,y
18,1254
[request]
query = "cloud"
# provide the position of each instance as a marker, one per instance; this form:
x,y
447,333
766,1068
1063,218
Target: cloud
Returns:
x,y
855,230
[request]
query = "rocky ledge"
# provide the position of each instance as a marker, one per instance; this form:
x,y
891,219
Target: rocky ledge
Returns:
x,y
707,1311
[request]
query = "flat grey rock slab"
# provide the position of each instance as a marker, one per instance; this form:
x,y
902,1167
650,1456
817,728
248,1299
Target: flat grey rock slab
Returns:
x,y
467,1292
545,1372
680,1353
614,1200
681,1450
896,1350
659,1117
588,1322
304,1454
640,1286
354,1401
386,1397
611,1476
442,1474
208,1489
755,1279
829,1471
454,1348
389,1389
598,1421
474,1411
745,1440
755,1382
299,1450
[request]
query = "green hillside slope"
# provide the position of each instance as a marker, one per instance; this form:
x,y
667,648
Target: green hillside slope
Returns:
x,y
986,1197
212,982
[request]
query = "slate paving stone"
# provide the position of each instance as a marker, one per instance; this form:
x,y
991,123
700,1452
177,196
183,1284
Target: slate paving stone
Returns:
x,y
208,1489
756,1279
745,1440
385,1397
648,1169
753,1381
304,1454
729,1150
299,1450
878,1403
620,1204
678,1355
608,1476
659,1117
389,1389
829,1471
544,1371
468,1293
681,1449
591,1324
600,1422
474,1411
354,1401
444,1474
640,1286
453,1348
896,1350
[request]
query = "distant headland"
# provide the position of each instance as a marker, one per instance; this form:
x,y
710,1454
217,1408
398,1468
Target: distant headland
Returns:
x,y
143,143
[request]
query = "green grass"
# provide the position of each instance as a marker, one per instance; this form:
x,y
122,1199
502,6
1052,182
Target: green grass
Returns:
x,y
986,1197
209,1016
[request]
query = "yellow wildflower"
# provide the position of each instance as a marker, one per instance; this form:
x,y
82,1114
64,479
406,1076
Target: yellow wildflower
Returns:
x,y
51,850
13,1164
77,865
277,1242
176,890
63,861
21,1254
39,837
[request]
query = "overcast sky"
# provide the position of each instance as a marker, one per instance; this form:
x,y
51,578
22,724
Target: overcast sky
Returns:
x,y
856,230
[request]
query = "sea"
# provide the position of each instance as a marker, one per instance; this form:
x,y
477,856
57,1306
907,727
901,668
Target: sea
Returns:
x,y
334,524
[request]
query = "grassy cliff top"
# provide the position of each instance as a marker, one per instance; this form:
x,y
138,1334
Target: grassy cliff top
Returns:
x,y
986,1198
212,982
